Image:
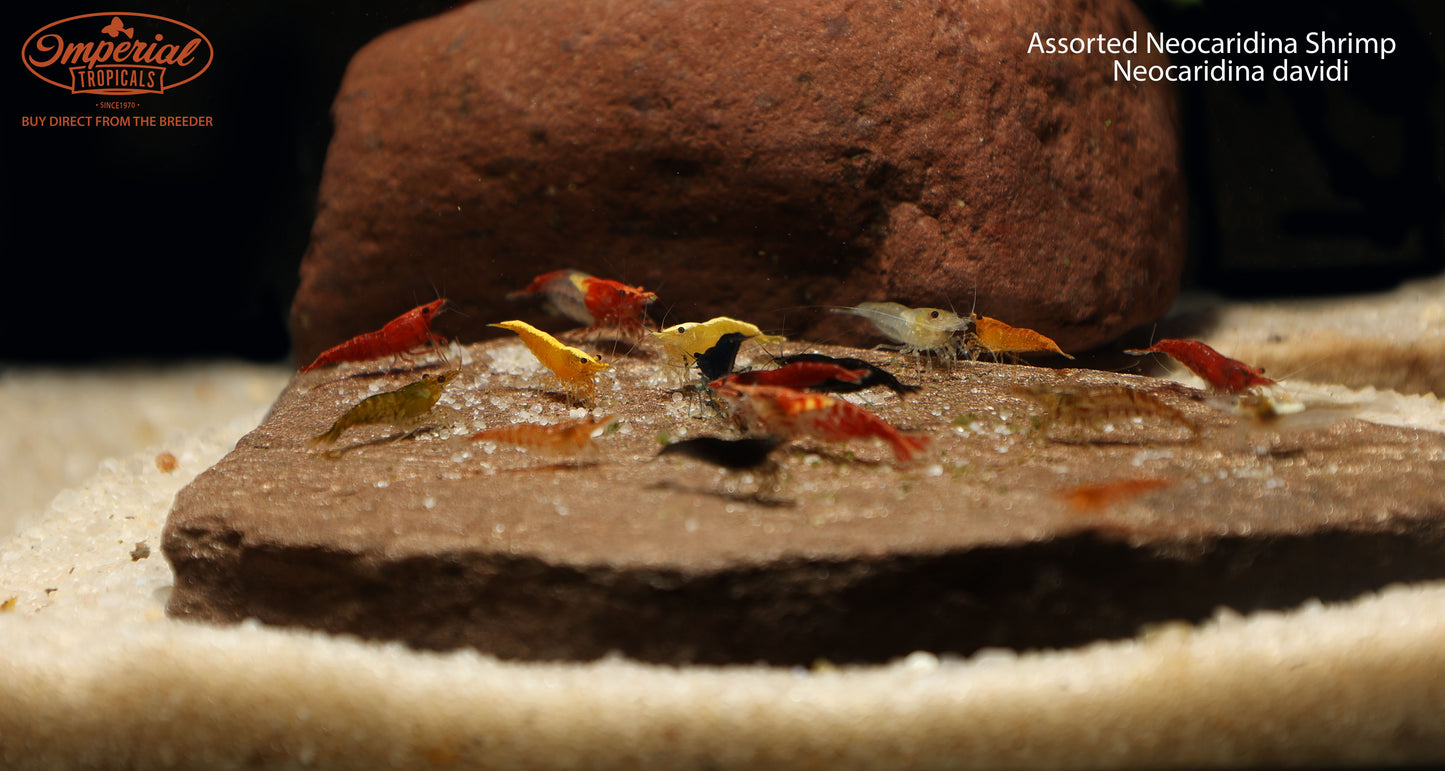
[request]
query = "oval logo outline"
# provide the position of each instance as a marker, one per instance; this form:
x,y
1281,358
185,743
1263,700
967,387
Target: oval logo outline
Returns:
x,y
210,53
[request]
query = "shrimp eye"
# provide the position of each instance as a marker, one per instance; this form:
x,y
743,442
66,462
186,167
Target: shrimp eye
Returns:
x,y
933,315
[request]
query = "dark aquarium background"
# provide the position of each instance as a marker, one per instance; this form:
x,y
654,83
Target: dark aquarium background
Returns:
x,y
159,244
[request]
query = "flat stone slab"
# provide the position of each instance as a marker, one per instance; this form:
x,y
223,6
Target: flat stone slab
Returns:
x,y
1018,528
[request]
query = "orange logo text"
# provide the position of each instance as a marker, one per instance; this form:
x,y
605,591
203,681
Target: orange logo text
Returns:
x,y
117,53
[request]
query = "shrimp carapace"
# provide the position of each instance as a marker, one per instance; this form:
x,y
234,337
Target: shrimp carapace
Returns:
x,y
919,330
403,407
599,303
1222,373
403,335
571,437
999,339
873,375
789,413
574,368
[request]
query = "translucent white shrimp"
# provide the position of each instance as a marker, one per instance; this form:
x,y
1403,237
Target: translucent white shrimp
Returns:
x,y
919,330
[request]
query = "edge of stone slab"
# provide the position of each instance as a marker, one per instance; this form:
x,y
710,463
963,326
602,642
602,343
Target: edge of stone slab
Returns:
x,y
796,611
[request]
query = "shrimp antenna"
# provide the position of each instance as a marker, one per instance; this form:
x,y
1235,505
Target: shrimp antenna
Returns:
x,y
1307,365
1139,365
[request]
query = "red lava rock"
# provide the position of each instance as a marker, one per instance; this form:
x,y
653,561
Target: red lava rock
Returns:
x,y
752,159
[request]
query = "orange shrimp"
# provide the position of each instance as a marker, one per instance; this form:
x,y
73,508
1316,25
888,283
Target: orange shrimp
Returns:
x,y
402,335
1091,498
995,337
572,437
787,413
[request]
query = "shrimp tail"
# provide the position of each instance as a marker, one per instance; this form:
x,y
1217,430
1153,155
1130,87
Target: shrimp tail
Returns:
x,y
905,446
330,437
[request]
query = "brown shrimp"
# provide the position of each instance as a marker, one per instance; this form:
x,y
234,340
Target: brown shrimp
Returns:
x,y
404,406
1087,406
572,437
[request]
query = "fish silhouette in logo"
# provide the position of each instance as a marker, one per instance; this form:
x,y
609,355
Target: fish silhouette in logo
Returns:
x,y
116,27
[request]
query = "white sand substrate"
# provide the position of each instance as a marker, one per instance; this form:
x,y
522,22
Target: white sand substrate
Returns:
x,y
59,424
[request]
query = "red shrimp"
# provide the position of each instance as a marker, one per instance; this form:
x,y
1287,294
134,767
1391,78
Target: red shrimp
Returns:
x,y
1222,373
800,375
402,335
787,413
617,305
600,303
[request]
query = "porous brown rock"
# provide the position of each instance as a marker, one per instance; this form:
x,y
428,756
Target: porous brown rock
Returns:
x,y
753,159
1019,527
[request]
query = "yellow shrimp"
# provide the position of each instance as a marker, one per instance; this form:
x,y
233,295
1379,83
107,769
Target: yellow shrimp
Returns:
x,y
575,368
402,407
920,330
682,341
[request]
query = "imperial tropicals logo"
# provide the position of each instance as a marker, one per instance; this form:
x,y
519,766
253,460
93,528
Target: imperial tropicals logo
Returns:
x,y
117,53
